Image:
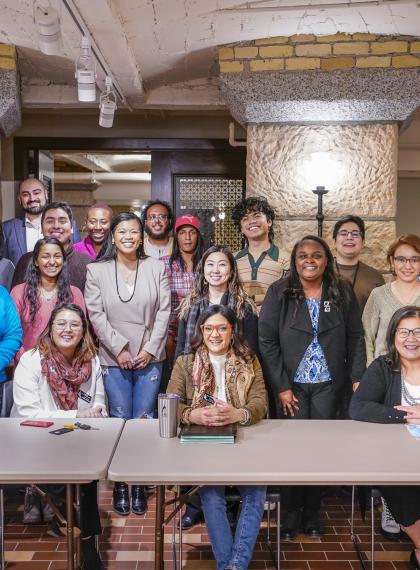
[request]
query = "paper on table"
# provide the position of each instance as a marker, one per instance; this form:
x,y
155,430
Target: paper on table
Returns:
x,y
414,430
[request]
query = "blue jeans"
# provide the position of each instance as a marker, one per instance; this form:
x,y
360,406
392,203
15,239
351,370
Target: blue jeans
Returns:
x,y
233,553
132,393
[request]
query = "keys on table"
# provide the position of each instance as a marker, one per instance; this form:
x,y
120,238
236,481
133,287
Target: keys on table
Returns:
x,y
78,425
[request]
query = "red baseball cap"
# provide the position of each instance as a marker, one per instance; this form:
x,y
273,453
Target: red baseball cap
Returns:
x,y
188,220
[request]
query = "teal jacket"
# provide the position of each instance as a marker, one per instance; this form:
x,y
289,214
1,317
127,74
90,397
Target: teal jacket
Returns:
x,y
10,331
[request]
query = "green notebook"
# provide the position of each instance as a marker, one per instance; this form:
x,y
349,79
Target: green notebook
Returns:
x,y
208,434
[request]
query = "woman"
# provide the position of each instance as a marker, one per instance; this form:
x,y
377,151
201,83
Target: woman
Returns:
x,y
217,282
10,341
390,393
223,366
128,300
62,378
311,342
47,285
404,260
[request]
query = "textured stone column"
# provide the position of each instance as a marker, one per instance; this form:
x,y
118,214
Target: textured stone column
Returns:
x,y
10,108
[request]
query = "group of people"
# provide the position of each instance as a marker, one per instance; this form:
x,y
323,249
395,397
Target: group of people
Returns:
x,y
99,326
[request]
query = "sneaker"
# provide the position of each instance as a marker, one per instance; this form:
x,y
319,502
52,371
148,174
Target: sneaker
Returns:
x,y
389,526
47,512
32,507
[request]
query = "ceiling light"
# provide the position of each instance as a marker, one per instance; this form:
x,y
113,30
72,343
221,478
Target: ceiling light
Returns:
x,y
86,73
47,24
107,104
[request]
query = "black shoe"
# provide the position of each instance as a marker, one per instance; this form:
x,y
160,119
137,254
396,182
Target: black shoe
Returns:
x,y
121,499
290,525
91,558
190,518
311,523
413,560
138,500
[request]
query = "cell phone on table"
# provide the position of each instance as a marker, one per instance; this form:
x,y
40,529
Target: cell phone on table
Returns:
x,y
60,431
36,423
209,398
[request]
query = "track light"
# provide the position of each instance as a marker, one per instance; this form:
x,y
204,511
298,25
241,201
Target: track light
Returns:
x,y
86,73
47,24
107,104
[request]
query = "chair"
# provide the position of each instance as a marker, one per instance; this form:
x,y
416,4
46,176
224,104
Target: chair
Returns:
x,y
374,494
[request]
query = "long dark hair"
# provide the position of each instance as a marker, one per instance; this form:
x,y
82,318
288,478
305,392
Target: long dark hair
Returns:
x,y
336,290
197,255
239,345
108,250
33,279
392,356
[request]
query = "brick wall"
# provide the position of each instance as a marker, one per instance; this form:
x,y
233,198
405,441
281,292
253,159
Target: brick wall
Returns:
x,y
325,53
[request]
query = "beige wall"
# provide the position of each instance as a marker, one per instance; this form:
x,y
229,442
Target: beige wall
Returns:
x,y
408,212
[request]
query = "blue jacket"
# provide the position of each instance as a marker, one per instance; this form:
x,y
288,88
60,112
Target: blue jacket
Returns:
x,y
10,331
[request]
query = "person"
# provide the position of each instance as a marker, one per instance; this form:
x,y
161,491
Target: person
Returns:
x,y
349,238
97,223
216,282
158,219
56,222
10,342
311,344
62,378
389,392
21,234
223,365
259,262
47,285
6,273
128,300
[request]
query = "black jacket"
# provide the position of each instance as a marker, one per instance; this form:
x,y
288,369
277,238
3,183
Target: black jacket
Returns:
x,y
378,393
285,332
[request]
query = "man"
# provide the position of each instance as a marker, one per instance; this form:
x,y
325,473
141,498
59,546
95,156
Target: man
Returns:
x,y
98,222
21,234
259,263
56,222
157,218
349,238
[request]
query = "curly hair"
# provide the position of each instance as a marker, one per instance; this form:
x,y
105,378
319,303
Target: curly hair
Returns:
x,y
166,205
33,279
254,204
200,288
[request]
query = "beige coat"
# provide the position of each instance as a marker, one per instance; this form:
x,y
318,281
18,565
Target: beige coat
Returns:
x,y
140,324
181,384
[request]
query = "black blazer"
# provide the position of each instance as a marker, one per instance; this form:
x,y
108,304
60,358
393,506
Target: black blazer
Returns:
x,y
285,332
377,394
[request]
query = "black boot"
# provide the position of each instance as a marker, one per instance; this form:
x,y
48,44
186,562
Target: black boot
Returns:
x,y
312,525
138,500
91,558
120,499
290,525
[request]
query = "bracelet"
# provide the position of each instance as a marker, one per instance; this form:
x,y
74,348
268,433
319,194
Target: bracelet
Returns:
x,y
247,417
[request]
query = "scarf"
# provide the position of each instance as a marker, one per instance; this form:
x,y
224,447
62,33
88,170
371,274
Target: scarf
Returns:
x,y
65,379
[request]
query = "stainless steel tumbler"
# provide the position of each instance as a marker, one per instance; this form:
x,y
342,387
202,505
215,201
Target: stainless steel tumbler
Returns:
x,y
168,414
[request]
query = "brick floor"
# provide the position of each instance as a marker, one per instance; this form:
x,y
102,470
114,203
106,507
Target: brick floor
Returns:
x,y
127,543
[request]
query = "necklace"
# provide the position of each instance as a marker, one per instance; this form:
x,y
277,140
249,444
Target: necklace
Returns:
x,y
405,394
48,295
116,282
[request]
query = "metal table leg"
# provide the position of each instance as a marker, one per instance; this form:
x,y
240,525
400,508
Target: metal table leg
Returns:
x,y
79,524
2,565
70,536
159,527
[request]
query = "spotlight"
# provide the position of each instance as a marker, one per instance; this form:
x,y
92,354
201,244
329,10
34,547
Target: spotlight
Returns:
x,y
86,73
222,215
47,24
107,104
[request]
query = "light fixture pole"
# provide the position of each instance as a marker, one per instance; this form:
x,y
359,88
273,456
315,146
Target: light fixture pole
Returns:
x,y
320,191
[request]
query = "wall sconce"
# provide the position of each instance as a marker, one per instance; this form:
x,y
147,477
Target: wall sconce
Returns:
x,y
320,191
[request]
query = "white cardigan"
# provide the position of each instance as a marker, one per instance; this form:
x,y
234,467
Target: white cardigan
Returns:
x,y
32,395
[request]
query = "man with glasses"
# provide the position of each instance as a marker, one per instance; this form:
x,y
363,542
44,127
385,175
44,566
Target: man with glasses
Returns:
x,y
157,218
349,239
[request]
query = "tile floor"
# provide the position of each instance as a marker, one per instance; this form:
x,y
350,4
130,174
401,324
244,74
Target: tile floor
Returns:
x,y
127,543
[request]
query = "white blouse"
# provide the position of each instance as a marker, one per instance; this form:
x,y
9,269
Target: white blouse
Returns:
x,y
218,363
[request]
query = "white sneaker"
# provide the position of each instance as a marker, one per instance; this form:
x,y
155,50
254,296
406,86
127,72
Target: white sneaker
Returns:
x,y
32,507
389,526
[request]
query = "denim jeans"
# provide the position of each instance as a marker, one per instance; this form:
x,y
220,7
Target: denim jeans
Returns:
x,y
230,552
132,393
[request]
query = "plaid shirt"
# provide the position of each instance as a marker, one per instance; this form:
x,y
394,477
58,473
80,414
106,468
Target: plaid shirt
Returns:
x,y
180,284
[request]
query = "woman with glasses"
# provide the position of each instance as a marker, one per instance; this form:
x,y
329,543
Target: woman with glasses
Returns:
x,y
128,299
223,366
389,392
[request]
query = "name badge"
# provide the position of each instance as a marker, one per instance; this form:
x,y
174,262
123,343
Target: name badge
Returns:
x,y
85,397
327,307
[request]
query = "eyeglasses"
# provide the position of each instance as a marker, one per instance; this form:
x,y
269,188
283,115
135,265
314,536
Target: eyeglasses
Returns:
x,y
405,333
155,217
61,325
220,329
122,233
401,260
345,234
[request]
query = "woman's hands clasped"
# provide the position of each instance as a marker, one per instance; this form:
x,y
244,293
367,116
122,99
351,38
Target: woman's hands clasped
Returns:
x,y
220,414
126,361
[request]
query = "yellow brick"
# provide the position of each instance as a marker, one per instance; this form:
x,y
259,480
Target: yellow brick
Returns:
x,y
276,51
351,48
405,61
331,63
335,38
7,63
303,38
388,47
313,50
226,53
364,37
231,66
7,50
270,41
248,52
415,47
266,64
373,61
303,63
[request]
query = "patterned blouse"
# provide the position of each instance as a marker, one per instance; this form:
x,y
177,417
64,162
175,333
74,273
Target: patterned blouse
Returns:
x,y
313,367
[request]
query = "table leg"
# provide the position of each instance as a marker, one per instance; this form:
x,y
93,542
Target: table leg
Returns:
x,y
1,530
159,527
70,536
79,524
